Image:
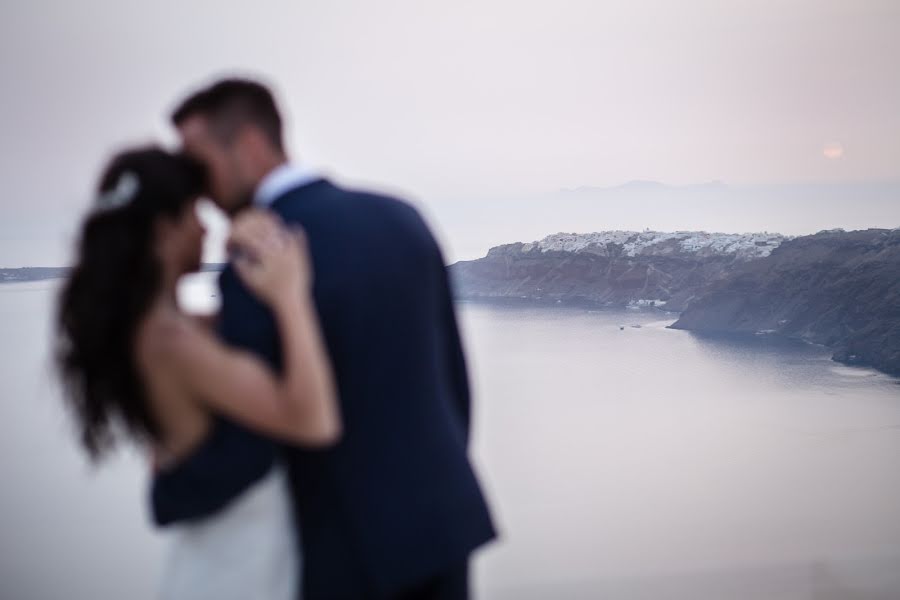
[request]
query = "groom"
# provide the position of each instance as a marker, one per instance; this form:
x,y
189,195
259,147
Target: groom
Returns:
x,y
395,509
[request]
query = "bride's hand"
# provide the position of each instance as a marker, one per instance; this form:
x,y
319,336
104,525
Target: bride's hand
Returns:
x,y
272,260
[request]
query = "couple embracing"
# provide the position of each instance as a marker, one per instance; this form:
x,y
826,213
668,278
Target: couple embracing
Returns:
x,y
310,441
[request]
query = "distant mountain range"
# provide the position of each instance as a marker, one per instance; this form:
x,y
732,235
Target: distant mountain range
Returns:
x,y
24,274
32,274
475,223
836,288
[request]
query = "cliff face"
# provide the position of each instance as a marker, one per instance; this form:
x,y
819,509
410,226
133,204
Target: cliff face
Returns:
x,y
839,289
616,268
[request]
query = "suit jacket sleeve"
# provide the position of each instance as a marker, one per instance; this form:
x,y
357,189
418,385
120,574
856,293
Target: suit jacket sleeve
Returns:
x,y
455,357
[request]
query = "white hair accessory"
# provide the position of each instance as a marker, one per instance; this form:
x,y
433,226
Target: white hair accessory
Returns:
x,y
126,189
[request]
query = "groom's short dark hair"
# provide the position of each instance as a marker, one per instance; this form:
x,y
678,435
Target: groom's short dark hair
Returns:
x,y
231,103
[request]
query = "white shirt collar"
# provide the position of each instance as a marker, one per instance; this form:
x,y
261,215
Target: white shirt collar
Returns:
x,y
281,179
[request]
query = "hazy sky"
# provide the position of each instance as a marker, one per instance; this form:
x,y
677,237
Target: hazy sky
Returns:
x,y
463,105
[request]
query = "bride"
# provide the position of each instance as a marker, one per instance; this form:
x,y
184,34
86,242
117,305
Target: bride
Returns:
x,y
133,362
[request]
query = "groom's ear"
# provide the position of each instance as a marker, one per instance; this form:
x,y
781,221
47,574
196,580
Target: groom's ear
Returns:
x,y
254,140
253,148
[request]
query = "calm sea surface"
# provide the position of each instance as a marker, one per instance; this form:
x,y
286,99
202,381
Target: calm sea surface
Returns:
x,y
621,463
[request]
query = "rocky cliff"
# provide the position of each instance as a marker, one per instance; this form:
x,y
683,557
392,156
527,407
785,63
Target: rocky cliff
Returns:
x,y
839,289
613,268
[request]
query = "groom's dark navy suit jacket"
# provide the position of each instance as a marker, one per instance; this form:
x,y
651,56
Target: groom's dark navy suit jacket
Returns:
x,y
396,501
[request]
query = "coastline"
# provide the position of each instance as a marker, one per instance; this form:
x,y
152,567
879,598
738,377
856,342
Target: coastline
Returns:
x,y
587,304
30,274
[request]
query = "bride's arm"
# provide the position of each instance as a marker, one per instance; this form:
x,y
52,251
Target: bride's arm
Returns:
x,y
207,321
300,406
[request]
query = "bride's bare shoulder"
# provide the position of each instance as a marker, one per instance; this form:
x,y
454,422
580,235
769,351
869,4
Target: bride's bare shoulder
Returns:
x,y
164,337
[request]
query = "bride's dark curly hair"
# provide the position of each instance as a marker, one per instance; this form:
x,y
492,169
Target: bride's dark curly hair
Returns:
x,y
110,289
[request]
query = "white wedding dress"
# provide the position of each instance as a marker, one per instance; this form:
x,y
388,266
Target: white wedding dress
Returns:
x,y
246,551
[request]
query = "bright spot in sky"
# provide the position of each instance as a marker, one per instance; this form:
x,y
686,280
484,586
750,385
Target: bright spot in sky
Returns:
x,y
833,150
